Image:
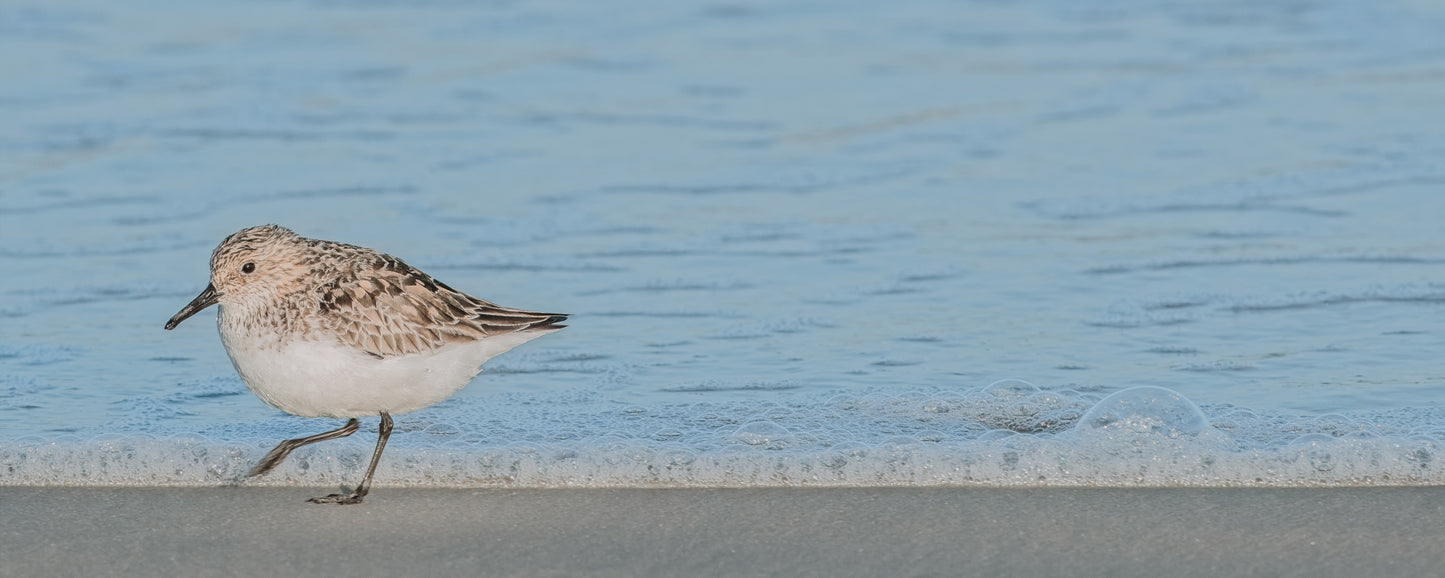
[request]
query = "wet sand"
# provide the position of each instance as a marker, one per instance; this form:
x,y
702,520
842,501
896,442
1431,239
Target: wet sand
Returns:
x,y
725,532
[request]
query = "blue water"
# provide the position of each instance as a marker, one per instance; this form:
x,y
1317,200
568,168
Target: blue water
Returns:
x,y
828,243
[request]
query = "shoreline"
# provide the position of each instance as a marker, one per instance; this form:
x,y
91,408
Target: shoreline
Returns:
x,y
724,532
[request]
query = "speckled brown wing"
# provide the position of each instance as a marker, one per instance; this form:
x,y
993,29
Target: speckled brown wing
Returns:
x,y
387,308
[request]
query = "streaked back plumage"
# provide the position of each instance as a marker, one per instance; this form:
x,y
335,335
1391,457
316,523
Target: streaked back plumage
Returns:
x,y
363,298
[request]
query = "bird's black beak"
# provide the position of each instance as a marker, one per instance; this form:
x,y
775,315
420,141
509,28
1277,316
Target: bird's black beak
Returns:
x,y
206,299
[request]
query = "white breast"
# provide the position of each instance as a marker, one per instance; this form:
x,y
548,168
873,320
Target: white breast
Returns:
x,y
313,377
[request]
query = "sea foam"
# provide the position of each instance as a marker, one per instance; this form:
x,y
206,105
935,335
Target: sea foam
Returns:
x,y
1009,433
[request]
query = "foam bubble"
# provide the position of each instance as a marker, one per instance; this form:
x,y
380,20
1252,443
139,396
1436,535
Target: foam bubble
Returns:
x,y
1145,410
763,434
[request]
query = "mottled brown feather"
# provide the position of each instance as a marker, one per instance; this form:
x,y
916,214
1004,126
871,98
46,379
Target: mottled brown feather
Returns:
x,y
387,308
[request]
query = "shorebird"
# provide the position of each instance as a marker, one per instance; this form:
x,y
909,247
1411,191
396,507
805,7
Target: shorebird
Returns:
x,y
323,329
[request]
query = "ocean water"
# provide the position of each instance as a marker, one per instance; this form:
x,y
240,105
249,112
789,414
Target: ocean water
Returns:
x,y
1040,243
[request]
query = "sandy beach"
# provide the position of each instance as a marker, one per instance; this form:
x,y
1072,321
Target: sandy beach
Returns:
x,y
725,532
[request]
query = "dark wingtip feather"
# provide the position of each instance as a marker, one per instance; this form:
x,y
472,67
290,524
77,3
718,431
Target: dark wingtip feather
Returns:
x,y
550,322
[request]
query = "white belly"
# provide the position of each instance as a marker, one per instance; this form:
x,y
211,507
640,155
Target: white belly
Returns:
x,y
326,379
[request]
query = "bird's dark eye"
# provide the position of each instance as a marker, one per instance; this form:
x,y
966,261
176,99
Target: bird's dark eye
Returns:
x,y
248,268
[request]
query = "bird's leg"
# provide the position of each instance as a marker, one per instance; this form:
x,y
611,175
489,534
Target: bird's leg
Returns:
x,y
356,496
273,458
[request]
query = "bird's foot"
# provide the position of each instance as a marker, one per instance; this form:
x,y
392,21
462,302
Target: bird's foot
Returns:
x,y
340,499
272,459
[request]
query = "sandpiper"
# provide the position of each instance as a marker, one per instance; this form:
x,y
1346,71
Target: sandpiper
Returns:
x,y
323,329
